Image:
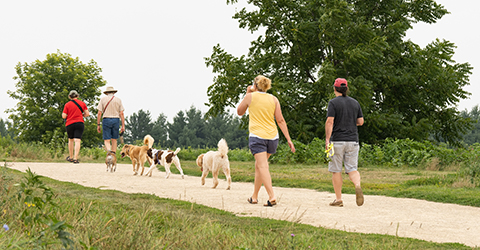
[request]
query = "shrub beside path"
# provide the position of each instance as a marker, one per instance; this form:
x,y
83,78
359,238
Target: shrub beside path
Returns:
x,y
431,221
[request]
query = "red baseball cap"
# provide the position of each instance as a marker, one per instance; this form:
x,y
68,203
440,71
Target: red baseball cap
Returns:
x,y
340,82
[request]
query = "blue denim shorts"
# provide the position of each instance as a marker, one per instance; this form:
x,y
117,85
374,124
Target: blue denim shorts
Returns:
x,y
110,128
259,145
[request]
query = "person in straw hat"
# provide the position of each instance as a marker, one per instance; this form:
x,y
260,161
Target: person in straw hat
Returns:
x,y
73,112
111,108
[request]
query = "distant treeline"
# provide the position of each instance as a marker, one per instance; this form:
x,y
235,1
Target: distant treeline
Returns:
x,y
188,129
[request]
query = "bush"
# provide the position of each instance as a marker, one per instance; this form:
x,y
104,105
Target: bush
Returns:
x,y
409,153
471,171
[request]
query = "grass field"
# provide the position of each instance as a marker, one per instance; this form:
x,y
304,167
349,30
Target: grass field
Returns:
x,y
101,219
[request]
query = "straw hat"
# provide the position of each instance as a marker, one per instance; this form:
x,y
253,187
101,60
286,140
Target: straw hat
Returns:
x,y
109,90
73,93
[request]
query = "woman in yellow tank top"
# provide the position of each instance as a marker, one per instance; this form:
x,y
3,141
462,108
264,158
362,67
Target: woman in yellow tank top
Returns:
x,y
264,109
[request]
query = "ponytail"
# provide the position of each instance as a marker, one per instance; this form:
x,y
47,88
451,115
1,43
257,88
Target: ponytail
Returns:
x,y
342,90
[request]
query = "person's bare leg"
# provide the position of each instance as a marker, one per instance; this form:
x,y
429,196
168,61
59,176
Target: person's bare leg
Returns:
x,y
77,148
114,145
263,173
107,145
355,178
70,148
257,184
337,182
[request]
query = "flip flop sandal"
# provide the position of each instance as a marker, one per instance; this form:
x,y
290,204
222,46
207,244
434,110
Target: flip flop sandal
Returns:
x,y
69,159
270,203
251,201
75,161
359,196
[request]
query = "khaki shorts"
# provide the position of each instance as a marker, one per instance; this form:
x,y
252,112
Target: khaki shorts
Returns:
x,y
346,152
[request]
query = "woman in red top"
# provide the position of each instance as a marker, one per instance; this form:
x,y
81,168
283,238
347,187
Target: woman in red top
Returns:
x,y
74,111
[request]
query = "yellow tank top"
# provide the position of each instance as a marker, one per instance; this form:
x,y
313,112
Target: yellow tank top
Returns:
x,y
262,116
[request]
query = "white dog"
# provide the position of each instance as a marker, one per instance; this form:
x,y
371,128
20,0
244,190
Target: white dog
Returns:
x,y
164,158
213,161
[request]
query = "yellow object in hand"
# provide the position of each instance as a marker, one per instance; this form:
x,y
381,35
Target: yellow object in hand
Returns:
x,y
330,151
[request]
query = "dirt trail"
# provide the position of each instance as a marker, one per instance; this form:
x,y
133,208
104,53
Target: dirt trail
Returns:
x,y
431,221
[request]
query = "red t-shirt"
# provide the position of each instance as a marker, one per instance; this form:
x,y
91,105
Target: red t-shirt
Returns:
x,y
73,112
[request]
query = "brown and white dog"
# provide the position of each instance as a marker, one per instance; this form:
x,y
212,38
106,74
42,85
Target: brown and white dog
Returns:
x,y
111,161
164,158
213,161
138,154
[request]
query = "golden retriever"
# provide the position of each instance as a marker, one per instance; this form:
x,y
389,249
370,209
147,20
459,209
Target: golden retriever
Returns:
x,y
213,161
138,154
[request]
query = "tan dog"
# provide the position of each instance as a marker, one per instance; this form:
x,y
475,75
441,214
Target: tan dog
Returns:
x,y
138,154
111,161
213,161
164,158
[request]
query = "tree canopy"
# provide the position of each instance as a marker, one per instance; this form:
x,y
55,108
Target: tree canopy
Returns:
x,y
188,129
42,89
405,91
5,129
472,136
138,125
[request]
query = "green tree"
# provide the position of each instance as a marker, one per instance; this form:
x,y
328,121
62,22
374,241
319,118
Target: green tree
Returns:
x,y
160,131
193,129
405,91
5,129
472,136
175,129
226,126
137,126
42,89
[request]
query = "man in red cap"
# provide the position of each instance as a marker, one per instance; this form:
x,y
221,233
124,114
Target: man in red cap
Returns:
x,y
344,114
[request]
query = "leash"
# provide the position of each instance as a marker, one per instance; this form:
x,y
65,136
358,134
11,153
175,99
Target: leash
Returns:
x,y
330,151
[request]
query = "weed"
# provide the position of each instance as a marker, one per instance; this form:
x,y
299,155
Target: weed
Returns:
x,y
35,205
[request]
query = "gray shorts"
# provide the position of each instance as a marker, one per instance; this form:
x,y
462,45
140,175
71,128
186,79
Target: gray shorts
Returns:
x,y
346,152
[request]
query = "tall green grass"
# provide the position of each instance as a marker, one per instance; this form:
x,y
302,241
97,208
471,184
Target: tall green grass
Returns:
x,y
89,218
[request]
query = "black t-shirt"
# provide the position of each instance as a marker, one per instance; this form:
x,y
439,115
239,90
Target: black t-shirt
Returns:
x,y
345,111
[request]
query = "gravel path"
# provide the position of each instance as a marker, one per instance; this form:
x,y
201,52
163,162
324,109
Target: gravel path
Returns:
x,y
431,221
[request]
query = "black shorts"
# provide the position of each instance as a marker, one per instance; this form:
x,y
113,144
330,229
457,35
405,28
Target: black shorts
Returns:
x,y
259,145
75,130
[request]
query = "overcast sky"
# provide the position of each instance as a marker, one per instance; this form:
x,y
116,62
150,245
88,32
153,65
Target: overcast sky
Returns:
x,y
153,52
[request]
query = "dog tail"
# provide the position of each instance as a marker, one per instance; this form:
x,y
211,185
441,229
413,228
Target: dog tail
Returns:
x,y
223,147
148,140
176,151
